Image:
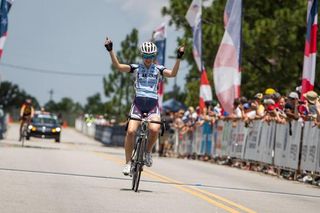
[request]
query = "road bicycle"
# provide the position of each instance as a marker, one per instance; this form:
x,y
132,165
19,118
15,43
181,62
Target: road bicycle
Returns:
x,y
139,153
24,133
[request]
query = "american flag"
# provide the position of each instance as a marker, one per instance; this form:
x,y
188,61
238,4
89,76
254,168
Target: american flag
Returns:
x,y
159,38
227,75
205,90
4,10
193,17
310,50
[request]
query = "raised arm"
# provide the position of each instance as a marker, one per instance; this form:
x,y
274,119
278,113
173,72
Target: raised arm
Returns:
x,y
174,71
121,67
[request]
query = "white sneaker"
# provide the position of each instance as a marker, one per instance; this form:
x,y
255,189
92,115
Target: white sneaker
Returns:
x,y
126,169
148,160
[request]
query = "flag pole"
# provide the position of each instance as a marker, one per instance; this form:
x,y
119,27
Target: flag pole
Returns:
x,y
201,62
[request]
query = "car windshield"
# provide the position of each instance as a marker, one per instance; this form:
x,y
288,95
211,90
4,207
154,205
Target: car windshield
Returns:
x,y
45,120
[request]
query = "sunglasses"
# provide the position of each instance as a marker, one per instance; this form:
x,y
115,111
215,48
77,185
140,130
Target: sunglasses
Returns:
x,y
148,56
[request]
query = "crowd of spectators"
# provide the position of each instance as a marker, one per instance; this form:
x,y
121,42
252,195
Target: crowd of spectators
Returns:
x,y
268,106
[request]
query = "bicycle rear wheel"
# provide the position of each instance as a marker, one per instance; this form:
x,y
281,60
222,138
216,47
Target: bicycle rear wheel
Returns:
x,y
23,135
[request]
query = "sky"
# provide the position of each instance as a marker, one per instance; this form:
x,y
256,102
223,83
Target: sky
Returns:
x,y
68,36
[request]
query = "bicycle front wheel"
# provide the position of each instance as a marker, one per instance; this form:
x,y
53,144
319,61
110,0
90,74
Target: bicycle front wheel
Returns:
x,y
23,137
135,160
138,175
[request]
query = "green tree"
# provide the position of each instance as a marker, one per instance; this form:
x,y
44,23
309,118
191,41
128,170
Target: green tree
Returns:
x,y
12,97
118,86
94,105
273,37
66,108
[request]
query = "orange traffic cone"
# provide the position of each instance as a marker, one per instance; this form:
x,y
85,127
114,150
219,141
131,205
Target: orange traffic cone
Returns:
x,y
65,124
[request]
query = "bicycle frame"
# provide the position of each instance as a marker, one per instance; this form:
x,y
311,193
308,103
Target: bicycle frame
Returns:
x,y
24,130
137,159
24,133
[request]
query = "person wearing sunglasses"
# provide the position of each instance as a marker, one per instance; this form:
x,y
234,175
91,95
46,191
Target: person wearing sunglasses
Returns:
x,y
147,75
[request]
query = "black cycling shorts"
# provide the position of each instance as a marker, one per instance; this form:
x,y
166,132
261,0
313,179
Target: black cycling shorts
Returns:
x,y
143,105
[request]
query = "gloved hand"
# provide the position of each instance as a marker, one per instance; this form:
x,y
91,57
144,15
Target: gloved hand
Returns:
x,y
108,44
180,52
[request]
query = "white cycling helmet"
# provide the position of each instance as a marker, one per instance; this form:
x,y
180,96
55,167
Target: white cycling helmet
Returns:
x,y
148,48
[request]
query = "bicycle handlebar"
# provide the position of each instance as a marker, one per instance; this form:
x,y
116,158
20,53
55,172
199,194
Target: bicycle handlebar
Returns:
x,y
138,119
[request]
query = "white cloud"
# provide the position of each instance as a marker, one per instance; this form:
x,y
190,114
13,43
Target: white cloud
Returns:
x,y
147,11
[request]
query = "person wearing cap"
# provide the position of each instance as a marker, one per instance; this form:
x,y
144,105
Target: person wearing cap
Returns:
x,y
269,91
291,106
260,110
312,99
26,113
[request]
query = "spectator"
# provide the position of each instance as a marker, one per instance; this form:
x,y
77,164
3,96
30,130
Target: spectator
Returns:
x,y
269,91
206,121
250,111
217,110
312,99
2,123
238,109
291,106
164,144
259,106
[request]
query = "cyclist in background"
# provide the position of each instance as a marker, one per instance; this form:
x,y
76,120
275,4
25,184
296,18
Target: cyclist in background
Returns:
x,y
147,76
26,113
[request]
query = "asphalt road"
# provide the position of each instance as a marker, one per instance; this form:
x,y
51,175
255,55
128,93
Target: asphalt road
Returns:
x,y
81,175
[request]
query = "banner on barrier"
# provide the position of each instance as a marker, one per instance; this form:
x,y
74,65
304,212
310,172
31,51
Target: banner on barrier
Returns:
x,y
266,143
218,137
287,145
226,139
238,137
252,141
310,148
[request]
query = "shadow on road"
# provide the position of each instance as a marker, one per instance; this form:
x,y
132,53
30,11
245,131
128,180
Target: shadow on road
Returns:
x,y
127,190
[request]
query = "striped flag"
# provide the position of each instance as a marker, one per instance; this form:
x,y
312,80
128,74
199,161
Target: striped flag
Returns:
x,y
227,74
193,17
310,50
159,38
4,10
205,90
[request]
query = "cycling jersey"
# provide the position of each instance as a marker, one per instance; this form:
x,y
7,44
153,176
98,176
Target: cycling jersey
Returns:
x,y
27,110
146,80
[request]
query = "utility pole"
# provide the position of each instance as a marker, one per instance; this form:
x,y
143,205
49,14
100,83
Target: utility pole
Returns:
x,y
51,94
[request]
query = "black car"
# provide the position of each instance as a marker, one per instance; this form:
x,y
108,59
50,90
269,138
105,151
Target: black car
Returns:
x,y
44,126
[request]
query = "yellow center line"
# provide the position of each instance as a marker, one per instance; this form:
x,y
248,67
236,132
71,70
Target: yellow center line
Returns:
x,y
194,193
205,195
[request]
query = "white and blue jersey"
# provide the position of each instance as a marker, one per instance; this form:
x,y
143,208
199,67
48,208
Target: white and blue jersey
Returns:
x,y
146,80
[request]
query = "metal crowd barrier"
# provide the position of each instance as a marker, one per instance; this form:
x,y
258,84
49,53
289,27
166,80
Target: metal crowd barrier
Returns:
x,y
3,125
110,136
294,146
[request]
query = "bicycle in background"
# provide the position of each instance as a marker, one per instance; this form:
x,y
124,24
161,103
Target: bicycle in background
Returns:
x,y
24,133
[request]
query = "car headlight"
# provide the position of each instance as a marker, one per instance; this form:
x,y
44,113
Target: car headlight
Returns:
x,y
58,129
